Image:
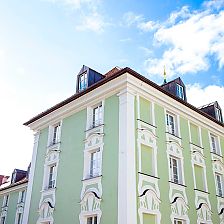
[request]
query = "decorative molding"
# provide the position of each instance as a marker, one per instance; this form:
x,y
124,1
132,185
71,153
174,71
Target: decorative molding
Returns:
x,y
149,204
90,205
179,209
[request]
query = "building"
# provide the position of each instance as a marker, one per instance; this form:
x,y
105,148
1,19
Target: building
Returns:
x,y
12,197
124,150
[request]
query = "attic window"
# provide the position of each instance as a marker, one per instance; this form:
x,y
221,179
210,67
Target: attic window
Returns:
x,y
83,81
218,114
180,91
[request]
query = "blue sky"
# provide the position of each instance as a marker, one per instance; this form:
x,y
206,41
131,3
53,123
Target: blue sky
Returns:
x,y
44,43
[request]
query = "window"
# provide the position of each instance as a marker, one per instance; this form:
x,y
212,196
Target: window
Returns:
x,y
22,197
178,221
214,144
200,182
83,81
175,170
51,180
94,164
3,220
219,184
92,220
55,137
218,114
171,124
180,91
54,134
97,115
147,160
5,201
19,218
149,218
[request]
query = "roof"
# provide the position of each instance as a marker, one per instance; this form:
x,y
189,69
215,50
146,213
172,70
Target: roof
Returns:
x,y
24,180
114,76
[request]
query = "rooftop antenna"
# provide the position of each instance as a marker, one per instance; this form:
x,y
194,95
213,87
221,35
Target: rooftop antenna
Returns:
x,y
164,75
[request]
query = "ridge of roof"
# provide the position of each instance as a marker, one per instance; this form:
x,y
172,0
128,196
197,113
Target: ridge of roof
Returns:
x,y
109,78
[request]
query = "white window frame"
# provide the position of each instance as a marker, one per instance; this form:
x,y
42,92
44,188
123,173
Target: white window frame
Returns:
x,y
97,118
94,219
91,122
179,174
2,220
214,144
22,195
180,91
94,166
179,221
51,181
83,81
88,174
19,215
54,134
219,188
171,126
5,202
218,114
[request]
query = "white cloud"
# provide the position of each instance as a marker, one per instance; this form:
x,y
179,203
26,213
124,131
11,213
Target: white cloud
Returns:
x,y
87,11
148,26
93,22
191,38
214,4
126,39
130,18
199,96
74,4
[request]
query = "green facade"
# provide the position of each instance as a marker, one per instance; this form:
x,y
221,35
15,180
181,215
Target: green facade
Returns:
x,y
14,205
78,195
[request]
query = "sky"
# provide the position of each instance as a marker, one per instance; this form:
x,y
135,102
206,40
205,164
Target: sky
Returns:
x,y
44,43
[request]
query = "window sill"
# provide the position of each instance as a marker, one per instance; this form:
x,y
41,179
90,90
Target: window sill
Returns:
x,y
201,191
53,146
94,127
217,154
149,175
219,196
147,123
48,190
177,183
91,178
176,136
196,145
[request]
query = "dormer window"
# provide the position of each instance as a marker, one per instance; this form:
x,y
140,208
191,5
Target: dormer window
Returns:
x,y
83,81
218,114
180,91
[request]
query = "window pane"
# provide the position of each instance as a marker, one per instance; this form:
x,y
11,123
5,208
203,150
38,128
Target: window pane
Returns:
x,y
149,218
83,81
89,220
19,218
95,164
55,138
170,124
147,160
95,220
219,184
199,176
97,116
180,91
51,177
213,144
